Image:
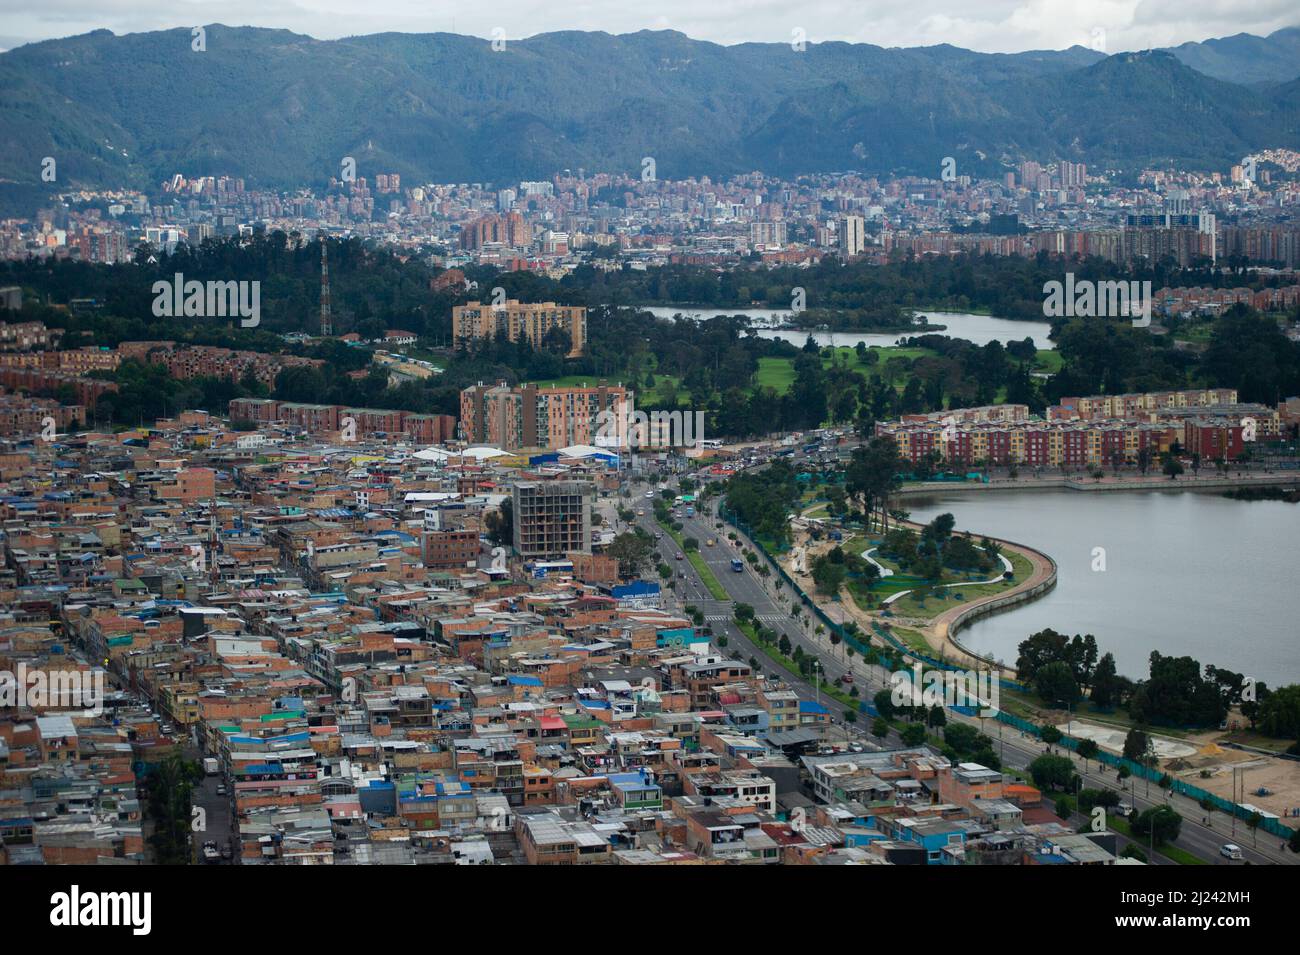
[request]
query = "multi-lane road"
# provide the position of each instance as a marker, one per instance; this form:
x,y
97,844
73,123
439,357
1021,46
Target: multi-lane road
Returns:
x,y
773,608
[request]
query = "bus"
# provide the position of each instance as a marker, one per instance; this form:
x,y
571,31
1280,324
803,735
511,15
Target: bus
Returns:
x,y
737,565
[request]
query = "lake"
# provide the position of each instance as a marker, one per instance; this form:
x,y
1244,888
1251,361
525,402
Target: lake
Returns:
x,y
979,329
1188,574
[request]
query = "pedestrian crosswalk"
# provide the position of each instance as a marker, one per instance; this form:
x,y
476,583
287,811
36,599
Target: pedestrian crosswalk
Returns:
x,y
772,617
715,617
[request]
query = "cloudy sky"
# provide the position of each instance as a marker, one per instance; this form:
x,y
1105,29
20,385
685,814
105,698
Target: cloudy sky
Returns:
x,y
997,26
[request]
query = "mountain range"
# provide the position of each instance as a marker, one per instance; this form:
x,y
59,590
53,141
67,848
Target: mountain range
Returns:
x,y
282,109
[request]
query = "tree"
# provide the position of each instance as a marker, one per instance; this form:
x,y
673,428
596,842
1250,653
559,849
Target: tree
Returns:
x,y
632,550
1137,746
884,701
1253,822
1050,735
828,575
879,727
1087,749
1145,456
1052,772
501,524
1159,823
1105,683
1056,686
913,734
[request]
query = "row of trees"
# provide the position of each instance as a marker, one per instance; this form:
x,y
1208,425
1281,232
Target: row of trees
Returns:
x,y
1177,691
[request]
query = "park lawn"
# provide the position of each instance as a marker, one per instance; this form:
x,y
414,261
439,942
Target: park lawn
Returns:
x,y
423,354
912,639
939,599
1048,360
776,373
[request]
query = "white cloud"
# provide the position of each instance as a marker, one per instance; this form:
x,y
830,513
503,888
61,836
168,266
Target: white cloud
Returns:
x,y
993,26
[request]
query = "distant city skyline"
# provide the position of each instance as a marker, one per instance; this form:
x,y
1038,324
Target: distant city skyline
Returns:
x,y
999,26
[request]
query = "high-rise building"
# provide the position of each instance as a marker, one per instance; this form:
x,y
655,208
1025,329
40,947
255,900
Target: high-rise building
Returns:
x,y
552,518
768,233
853,235
531,417
508,229
515,320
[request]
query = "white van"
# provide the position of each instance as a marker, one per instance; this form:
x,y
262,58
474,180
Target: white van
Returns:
x,y
1230,851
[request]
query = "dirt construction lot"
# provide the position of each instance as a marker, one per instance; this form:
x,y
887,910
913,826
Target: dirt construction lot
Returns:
x,y
1280,776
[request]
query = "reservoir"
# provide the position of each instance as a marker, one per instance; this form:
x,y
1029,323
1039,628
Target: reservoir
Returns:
x,y
979,329
1188,574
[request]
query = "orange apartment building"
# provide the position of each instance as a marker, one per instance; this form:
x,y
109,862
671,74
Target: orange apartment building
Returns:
x,y
531,417
516,321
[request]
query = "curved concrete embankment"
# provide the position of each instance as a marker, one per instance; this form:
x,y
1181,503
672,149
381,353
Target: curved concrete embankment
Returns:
x,y
940,632
1042,579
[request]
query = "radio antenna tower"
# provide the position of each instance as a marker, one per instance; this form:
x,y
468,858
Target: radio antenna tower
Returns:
x,y
326,325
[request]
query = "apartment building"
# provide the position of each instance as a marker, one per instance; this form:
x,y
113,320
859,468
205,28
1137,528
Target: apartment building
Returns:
x,y
1100,431
852,235
530,417
520,321
1135,405
552,518
449,549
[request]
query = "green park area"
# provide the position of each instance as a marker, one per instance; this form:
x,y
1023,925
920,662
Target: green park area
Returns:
x,y
928,599
887,362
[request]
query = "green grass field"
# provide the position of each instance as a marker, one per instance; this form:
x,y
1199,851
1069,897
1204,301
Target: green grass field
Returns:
x,y
939,600
778,373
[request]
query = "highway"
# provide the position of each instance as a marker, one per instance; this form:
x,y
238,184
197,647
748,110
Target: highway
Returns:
x,y
772,607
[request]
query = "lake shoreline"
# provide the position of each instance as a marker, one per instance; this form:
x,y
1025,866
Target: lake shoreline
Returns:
x,y
1090,485
1188,574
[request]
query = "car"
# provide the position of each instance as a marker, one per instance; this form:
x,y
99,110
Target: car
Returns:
x,y
649,495
680,556
1230,851
846,678
710,542
221,790
226,851
1125,809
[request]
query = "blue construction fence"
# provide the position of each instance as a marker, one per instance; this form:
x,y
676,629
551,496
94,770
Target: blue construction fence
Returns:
x,y
1155,775
1273,826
